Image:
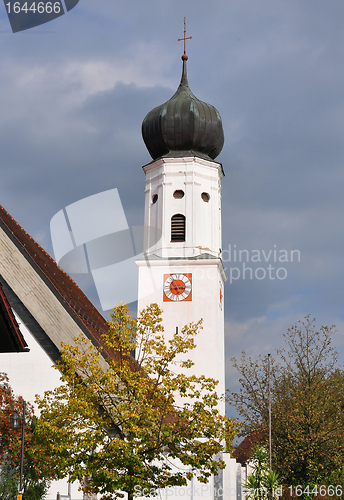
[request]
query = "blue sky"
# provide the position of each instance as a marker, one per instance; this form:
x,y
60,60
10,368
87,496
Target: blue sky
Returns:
x,y
73,94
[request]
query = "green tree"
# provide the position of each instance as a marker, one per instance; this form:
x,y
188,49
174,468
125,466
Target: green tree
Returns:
x,y
262,482
121,428
309,438
307,405
36,473
252,399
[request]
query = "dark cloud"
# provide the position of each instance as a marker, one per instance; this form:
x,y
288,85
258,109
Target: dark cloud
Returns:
x,y
72,102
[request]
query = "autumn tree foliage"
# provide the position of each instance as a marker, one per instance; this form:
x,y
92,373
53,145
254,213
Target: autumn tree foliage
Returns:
x,y
36,467
252,399
307,405
123,428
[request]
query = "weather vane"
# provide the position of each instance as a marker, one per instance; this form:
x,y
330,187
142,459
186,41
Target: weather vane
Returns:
x,y
185,37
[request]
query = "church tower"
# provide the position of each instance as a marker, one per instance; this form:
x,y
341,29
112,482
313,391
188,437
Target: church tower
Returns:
x,y
182,269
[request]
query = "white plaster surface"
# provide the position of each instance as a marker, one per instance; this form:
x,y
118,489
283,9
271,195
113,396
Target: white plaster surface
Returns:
x,y
194,176
203,236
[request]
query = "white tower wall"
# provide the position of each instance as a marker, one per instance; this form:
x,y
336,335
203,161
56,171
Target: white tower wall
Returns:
x,y
197,258
194,176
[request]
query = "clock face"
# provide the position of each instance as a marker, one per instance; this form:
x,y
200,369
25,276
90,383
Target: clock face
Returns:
x,y
177,287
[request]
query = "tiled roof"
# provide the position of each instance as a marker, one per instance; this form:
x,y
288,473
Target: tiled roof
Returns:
x,y
11,338
59,282
244,451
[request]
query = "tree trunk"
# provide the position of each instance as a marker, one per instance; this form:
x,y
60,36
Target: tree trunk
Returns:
x,y
90,496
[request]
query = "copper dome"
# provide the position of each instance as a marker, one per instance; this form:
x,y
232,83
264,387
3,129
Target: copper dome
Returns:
x,y
183,126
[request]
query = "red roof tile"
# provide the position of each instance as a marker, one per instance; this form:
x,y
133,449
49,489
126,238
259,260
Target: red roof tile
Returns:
x,y
244,451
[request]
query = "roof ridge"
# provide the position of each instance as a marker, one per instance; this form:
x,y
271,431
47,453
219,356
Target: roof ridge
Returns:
x,y
39,246
78,308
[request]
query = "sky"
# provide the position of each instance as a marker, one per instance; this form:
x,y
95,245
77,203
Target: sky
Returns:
x,y
74,92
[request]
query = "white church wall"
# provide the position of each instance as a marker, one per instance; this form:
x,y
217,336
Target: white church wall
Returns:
x,y
233,475
205,304
240,479
193,176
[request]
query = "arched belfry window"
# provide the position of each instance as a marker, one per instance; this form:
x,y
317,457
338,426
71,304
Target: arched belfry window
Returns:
x,y
178,227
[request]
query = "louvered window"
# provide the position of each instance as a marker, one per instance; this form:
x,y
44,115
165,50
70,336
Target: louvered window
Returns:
x,y
178,227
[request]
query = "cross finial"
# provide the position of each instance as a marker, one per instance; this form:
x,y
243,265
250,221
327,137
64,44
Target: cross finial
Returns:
x,y
184,39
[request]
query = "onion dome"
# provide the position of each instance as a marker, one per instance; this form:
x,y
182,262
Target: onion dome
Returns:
x,y
183,126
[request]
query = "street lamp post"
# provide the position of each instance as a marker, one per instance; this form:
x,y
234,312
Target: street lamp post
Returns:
x,y
269,381
16,423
